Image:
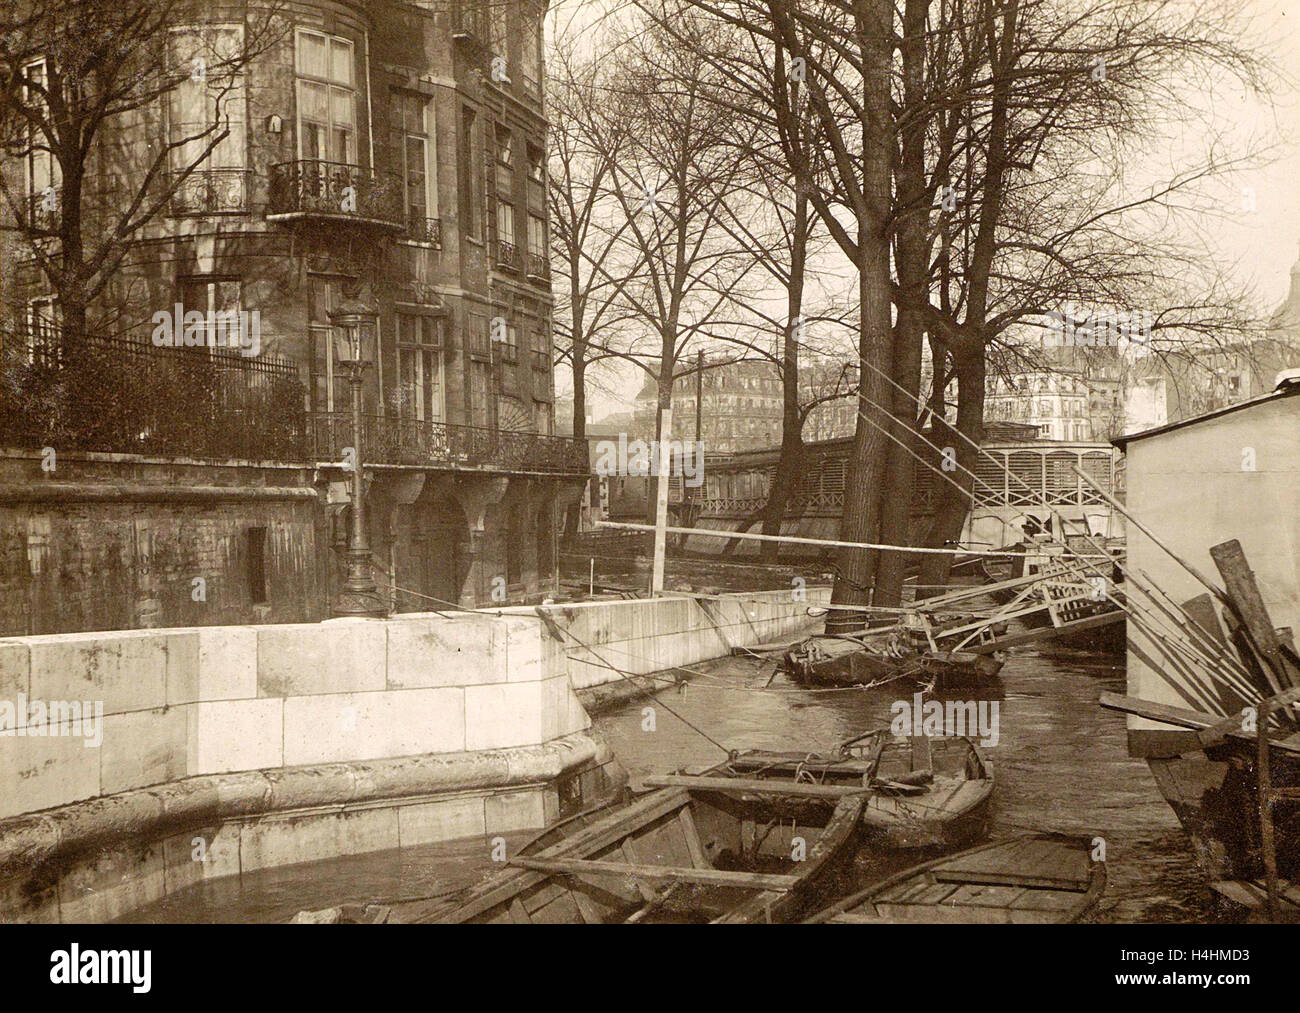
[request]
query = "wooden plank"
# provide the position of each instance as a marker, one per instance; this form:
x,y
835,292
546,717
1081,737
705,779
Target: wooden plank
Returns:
x,y
1046,632
1027,880
693,845
921,758
657,873
1220,730
647,892
1201,610
1242,588
739,785
1182,717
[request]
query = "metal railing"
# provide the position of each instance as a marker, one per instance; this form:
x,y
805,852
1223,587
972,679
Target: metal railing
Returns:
x,y
211,192
505,255
424,230
118,395
387,440
311,187
539,266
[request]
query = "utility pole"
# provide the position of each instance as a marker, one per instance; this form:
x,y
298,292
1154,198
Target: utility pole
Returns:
x,y
661,505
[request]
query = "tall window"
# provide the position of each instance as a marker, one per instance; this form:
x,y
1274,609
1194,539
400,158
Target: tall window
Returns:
x,y
537,235
209,100
411,148
505,154
327,98
506,223
530,50
419,368
41,168
497,27
44,344
471,192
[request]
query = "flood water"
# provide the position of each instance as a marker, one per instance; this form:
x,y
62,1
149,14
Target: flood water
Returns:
x,y
1060,763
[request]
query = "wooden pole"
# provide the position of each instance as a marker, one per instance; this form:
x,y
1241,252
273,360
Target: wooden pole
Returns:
x,y
661,504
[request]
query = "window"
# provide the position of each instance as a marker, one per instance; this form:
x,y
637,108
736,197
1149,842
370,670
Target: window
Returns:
x,y
479,337
410,142
44,340
327,99
478,394
419,393
257,566
530,50
537,236
505,153
218,300
536,164
506,223
471,192
497,27
43,172
208,101
510,346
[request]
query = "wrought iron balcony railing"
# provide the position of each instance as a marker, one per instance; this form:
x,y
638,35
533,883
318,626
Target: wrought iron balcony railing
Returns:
x,y
311,188
211,192
386,440
505,255
424,230
539,267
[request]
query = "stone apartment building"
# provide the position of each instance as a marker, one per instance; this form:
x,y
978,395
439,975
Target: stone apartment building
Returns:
x,y
391,152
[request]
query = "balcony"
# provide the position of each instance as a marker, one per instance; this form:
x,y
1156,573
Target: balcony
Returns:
x,y
337,192
505,256
424,230
211,192
386,440
539,268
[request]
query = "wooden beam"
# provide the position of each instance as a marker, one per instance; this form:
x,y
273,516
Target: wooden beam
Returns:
x,y
1244,591
1046,632
1180,716
657,873
1220,730
736,785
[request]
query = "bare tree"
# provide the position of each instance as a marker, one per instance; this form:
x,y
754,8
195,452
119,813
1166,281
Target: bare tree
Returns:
x,y
82,84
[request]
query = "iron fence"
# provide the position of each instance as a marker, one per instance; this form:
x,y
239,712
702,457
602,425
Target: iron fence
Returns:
x,y
388,440
119,395
336,190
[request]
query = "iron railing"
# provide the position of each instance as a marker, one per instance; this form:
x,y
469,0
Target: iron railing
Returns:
x,y
118,395
424,230
314,188
387,440
211,192
505,255
539,267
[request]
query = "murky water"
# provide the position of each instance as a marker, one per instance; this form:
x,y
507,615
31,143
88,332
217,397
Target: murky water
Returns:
x,y
1060,764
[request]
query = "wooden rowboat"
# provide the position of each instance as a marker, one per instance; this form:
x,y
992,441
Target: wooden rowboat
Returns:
x,y
728,850
1038,879
928,791
760,837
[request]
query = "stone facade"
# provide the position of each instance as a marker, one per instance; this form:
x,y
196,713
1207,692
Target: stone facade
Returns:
x,y
425,198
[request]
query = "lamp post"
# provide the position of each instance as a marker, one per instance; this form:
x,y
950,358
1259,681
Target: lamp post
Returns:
x,y
354,347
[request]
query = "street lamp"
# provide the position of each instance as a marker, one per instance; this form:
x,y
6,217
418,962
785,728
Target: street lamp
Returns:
x,y
354,326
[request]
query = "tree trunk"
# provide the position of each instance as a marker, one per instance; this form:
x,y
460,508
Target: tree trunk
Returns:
x,y
573,514
860,522
911,262
953,505
790,464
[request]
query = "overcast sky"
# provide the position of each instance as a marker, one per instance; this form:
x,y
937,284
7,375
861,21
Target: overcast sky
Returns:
x,y
1259,245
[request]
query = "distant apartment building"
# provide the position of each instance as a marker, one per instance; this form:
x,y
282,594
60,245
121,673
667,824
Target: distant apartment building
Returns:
x,y
389,151
1056,404
739,403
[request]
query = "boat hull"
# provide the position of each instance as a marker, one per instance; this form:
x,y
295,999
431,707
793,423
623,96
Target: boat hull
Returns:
x,y
1215,800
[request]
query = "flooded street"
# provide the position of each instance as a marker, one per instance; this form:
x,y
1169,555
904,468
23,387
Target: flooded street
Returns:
x,y
1060,764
